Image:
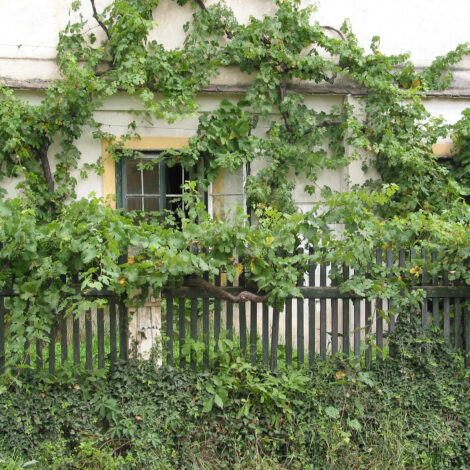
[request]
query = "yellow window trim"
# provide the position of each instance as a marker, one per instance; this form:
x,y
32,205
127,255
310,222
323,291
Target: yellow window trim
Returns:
x,y
444,149
136,143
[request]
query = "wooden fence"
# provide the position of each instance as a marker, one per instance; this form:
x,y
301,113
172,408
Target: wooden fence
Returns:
x,y
96,340
325,321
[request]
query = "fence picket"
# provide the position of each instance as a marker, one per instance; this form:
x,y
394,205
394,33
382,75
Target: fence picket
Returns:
x,y
391,316
274,339
457,323
379,321
253,331
466,315
242,324
445,281
311,317
52,336
182,329
205,327
112,332
288,332
334,321
357,327
100,333
300,326
217,310
229,319
63,338
345,315
169,330
323,312
76,341
435,301
123,331
39,362
265,334
424,282
193,331
2,335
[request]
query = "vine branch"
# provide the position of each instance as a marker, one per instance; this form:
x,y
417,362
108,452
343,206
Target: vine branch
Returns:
x,y
241,297
97,18
337,31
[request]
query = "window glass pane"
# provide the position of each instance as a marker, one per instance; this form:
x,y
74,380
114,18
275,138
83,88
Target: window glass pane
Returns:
x,y
152,181
174,179
134,204
134,183
151,204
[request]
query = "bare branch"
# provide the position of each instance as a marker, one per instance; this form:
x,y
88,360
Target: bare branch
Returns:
x,y
201,5
46,168
241,297
337,31
96,16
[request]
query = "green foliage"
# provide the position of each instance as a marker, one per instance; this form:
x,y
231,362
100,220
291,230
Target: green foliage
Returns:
x,y
411,410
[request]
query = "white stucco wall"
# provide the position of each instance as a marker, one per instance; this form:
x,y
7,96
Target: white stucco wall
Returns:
x,y
29,33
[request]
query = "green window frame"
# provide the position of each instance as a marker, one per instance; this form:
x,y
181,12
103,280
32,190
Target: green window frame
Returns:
x,y
149,190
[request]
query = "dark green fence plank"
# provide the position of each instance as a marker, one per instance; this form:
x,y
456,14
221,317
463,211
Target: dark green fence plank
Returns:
x,y
100,333
253,331
435,302
205,328
229,320
39,362
112,332
424,281
311,317
334,321
413,282
357,327
323,313
76,340
391,316
2,336
274,339
123,331
265,334
88,342
27,358
458,323
182,329
368,330
169,331
242,324
466,315
51,346
288,331
217,315
300,328
193,330
346,315
379,321
446,309
63,338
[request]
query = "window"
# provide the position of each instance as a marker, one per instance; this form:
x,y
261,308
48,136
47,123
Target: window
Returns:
x,y
155,187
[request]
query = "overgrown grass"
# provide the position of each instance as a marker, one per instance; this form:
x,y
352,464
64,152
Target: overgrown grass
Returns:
x,y
411,411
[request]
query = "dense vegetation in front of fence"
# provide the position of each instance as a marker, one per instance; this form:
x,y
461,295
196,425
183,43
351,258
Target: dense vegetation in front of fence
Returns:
x,y
410,412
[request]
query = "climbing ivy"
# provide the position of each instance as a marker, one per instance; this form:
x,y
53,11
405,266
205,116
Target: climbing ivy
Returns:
x,y
49,240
